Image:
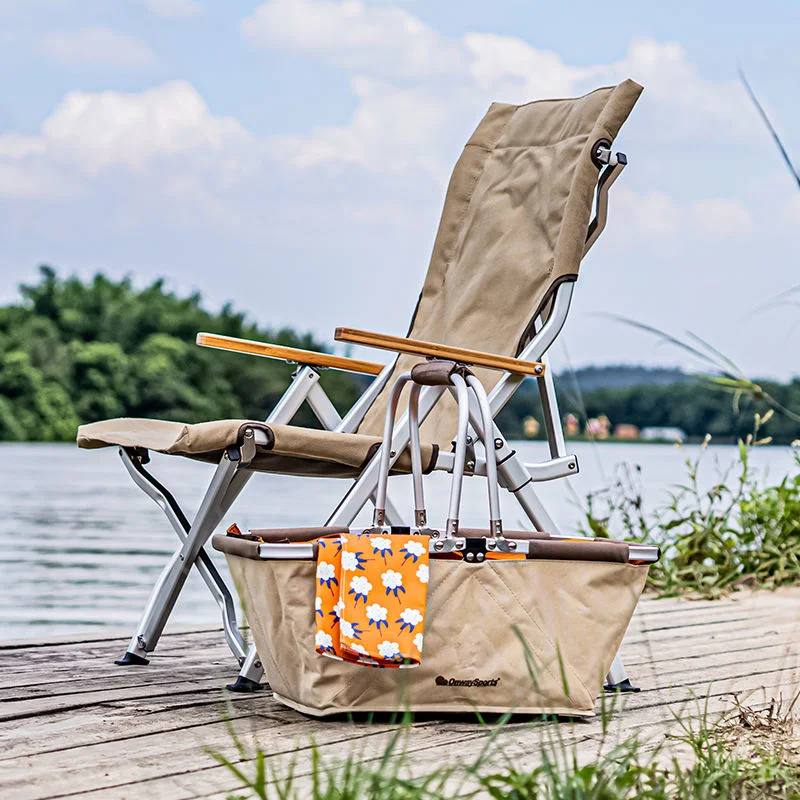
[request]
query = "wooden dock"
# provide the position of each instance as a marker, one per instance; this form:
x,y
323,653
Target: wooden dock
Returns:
x,y
74,725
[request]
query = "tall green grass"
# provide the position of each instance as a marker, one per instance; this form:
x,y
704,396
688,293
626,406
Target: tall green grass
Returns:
x,y
743,530
745,755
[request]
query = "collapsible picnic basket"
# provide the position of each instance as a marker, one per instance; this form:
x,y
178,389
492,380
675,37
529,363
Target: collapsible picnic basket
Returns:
x,y
515,621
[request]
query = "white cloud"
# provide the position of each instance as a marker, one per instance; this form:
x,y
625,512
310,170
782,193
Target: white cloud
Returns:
x,y
654,213
88,134
418,90
517,72
101,130
174,9
23,181
13,146
679,102
351,34
721,217
98,45
651,213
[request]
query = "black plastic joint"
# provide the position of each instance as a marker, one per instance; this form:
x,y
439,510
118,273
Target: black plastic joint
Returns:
x,y
623,687
245,686
474,548
600,143
131,659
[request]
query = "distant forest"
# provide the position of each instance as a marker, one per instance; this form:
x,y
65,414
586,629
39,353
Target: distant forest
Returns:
x,y
73,352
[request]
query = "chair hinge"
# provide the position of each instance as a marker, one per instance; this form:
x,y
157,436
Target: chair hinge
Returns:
x,y
469,456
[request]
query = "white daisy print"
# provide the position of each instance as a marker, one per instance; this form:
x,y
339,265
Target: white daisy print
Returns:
x,y
389,649
393,581
352,561
318,606
376,614
410,618
413,550
422,573
325,573
324,641
418,642
381,545
359,648
360,587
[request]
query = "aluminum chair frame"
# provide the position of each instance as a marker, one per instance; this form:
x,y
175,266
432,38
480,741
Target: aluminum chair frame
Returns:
x,y
233,472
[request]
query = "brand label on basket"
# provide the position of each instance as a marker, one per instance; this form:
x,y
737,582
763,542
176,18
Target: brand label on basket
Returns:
x,y
476,682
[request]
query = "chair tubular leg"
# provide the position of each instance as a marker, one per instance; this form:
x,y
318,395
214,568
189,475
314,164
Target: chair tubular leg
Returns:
x,y
617,679
249,678
228,481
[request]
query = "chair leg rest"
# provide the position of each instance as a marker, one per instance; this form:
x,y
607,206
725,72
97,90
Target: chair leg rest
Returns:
x,y
624,687
245,686
130,659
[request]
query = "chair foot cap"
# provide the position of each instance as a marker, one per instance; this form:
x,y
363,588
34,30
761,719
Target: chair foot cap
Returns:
x,y
624,687
130,659
245,686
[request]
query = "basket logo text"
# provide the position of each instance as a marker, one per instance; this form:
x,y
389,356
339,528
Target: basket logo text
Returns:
x,y
475,682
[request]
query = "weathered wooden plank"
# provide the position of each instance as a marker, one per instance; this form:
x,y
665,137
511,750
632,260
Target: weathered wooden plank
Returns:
x,y
520,742
117,733
47,705
204,780
101,766
39,735
100,678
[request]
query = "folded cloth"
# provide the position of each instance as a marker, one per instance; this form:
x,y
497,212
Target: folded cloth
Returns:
x,y
371,595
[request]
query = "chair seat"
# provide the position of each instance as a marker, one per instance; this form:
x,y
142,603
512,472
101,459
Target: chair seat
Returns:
x,y
289,449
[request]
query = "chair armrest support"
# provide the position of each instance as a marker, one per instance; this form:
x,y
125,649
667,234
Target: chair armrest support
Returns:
x,y
400,344
289,354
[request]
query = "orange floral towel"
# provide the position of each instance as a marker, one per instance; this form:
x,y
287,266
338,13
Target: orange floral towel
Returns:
x,y
371,595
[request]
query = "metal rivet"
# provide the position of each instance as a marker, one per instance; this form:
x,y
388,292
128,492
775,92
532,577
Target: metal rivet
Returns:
x,y
434,534
480,556
470,465
538,369
438,546
570,466
498,443
490,544
248,434
512,545
391,454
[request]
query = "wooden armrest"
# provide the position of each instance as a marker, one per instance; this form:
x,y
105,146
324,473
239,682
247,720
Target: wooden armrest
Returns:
x,y
399,344
306,357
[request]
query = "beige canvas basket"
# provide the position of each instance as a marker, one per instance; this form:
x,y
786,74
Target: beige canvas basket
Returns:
x,y
530,636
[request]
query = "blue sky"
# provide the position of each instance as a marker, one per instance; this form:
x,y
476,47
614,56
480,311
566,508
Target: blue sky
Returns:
x,y
292,155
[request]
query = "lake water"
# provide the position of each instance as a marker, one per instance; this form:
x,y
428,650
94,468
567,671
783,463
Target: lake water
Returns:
x,y
80,545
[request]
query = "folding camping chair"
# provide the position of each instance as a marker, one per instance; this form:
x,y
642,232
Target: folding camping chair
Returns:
x,y
516,224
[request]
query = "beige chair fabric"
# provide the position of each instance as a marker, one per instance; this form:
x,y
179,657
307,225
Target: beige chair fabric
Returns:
x,y
499,636
513,227
289,449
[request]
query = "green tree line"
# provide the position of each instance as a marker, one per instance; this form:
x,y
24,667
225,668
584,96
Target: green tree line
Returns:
x,y
74,351
695,406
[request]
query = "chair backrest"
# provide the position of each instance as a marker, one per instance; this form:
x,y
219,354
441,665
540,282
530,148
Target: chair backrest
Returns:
x,y
513,228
